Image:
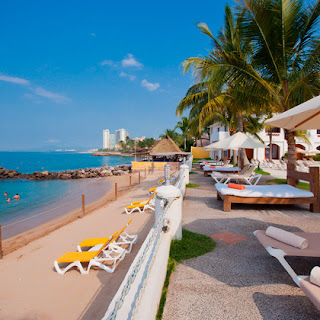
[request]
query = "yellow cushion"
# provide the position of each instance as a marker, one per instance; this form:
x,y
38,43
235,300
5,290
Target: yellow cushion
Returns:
x,y
77,256
92,242
135,206
152,189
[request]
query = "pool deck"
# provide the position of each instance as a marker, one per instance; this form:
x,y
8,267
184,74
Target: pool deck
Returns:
x,y
239,279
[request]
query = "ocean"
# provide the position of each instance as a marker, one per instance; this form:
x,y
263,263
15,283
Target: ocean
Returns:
x,y
54,197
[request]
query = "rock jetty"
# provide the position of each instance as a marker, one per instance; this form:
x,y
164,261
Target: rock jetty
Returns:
x,y
68,174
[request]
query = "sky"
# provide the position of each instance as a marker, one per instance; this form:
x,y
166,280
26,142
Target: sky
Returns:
x,y
69,69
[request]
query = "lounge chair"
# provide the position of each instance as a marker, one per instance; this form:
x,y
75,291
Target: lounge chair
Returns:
x,y
249,177
141,206
220,176
172,177
225,163
92,257
152,190
119,238
280,250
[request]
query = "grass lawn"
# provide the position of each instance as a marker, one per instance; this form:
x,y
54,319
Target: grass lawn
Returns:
x,y
262,172
192,245
197,160
301,185
192,185
192,172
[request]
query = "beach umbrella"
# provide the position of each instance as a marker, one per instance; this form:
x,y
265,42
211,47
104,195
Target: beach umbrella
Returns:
x,y
238,141
302,117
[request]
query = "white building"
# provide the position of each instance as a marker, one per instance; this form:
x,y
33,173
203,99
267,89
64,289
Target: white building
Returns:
x,y
106,139
121,135
279,144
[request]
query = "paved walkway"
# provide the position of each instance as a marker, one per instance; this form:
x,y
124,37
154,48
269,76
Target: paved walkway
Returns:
x,y
238,279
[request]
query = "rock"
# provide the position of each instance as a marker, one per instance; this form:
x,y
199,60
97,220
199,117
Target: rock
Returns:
x,y
45,172
65,176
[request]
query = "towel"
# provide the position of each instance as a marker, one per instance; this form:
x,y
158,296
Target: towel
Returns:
x,y
315,276
212,167
236,186
287,237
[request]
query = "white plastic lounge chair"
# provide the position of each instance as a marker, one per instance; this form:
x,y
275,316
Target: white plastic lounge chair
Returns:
x,y
264,194
119,238
249,177
93,257
141,206
222,176
280,250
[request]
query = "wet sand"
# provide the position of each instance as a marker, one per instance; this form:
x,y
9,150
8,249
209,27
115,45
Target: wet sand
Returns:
x,y
32,289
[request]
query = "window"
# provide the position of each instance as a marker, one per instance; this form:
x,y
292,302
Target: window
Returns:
x,y
318,131
225,128
218,129
273,130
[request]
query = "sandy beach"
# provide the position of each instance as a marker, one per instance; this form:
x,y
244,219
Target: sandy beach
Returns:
x,y
32,289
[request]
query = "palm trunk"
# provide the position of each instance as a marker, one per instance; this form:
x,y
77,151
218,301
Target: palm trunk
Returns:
x,y
270,144
185,143
242,154
291,150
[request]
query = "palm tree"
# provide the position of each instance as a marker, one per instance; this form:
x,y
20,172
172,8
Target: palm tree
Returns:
x,y
184,127
284,66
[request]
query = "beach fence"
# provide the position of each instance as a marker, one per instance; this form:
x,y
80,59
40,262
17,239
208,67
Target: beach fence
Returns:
x,y
139,294
79,205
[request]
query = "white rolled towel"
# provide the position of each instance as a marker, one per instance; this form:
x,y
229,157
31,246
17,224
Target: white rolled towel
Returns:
x,y
287,237
315,276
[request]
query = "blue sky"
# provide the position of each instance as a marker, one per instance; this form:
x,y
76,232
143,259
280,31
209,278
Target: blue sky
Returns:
x,y
69,69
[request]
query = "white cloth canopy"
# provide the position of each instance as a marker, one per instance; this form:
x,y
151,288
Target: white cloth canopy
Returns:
x,y
302,117
237,141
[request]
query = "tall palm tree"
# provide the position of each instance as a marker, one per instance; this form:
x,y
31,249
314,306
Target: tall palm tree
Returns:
x,y
183,125
284,67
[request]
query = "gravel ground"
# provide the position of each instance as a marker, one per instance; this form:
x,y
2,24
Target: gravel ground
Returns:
x,y
241,280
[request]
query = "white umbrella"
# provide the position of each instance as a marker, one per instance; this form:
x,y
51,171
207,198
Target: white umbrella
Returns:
x,y
237,141
302,117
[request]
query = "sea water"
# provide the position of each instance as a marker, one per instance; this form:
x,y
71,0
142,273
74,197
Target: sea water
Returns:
x,y
47,199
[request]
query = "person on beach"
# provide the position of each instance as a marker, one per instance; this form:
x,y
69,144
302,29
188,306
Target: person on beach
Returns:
x,y
17,197
5,194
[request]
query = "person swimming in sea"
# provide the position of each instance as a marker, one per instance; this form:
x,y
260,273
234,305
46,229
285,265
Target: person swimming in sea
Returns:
x,y
8,200
17,197
5,194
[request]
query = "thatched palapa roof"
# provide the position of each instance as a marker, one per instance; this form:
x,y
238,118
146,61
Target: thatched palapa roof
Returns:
x,y
166,146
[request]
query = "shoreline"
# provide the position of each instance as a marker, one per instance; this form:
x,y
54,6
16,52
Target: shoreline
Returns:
x,y
13,243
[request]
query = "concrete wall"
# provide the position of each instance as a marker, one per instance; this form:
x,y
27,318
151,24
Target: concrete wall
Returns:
x,y
199,153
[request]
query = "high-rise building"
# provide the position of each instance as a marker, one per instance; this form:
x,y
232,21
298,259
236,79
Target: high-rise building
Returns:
x,y
106,139
121,135
112,141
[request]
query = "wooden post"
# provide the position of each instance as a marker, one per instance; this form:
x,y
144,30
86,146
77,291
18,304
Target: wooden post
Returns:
x,y
83,206
139,177
116,191
1,252
130,182
314,188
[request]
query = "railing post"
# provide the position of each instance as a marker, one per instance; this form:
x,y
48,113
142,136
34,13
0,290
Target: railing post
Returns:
x,y
83,206
116,191
1,252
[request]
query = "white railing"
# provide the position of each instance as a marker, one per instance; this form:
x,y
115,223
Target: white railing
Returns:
x,y
139,294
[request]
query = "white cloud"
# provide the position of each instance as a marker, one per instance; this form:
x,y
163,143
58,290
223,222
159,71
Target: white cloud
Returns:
x,y
58,98
107,63
14,79
150,86
126,75
93,34
52,141
130,61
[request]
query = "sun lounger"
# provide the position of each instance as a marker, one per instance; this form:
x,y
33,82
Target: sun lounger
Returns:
x,y
207,170
152,190
172,177
248,177
141,206
221,176
92,257
119,238
263,194
280,250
